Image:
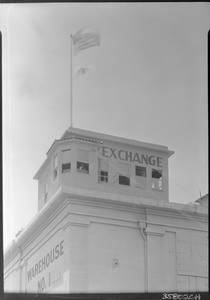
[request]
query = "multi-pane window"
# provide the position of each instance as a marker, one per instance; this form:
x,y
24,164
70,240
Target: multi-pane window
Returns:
x,y
103,176
141,174
141,171
66,164
55,166
82,161
103,170
157,179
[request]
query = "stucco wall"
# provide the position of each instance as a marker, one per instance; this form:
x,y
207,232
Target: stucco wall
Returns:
x,y
111,247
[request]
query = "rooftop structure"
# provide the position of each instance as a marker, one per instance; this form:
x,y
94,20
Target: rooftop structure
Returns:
x,y
100,162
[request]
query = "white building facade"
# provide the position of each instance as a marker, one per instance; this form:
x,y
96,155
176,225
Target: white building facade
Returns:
x,y
105,223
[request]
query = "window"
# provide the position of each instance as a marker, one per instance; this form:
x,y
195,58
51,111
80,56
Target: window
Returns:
x,y
124,180
104,176
82,161
46,187
66,165
141,171
103,170
124,176
141,174
157,179
55,166
82,167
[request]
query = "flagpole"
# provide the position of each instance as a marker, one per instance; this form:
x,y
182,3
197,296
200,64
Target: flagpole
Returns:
x,y
71,92
83,41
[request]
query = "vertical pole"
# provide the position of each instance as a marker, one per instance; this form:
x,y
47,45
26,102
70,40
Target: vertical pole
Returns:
x,y
71,92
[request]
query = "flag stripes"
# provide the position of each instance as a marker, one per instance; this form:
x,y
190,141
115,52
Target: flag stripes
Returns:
x,y
84,39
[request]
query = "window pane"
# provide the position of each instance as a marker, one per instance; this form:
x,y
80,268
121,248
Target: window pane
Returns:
x,y
104,176
157,179
66,167
141,171
156,173
124,180
82,167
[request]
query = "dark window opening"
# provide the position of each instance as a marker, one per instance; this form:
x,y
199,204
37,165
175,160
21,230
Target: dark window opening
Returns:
x,y
157,179
55,172
66,167
104,176
82,167
156,173
141,171
125,180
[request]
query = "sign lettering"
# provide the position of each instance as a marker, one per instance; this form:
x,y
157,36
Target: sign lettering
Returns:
x,y
41,285
131,156
45,261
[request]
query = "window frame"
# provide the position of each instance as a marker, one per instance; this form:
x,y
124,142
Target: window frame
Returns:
x,y
157,182
126,178
63,164
142,169
65,170
104,176
82,170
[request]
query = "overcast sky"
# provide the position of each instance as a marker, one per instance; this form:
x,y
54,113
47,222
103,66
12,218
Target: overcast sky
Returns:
x,y
148,82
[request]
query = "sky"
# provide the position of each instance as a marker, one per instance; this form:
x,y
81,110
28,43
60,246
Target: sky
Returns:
x,y
147,81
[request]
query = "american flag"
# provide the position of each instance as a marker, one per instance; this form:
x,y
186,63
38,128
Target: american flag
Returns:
x,y
85,38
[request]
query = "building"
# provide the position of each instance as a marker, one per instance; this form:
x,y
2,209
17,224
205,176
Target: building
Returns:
x,y
105,223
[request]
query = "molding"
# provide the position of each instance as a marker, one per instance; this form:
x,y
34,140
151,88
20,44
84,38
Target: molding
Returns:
x,y
173,212
108,204
69,224
154,232
77,224
116,224
132,201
